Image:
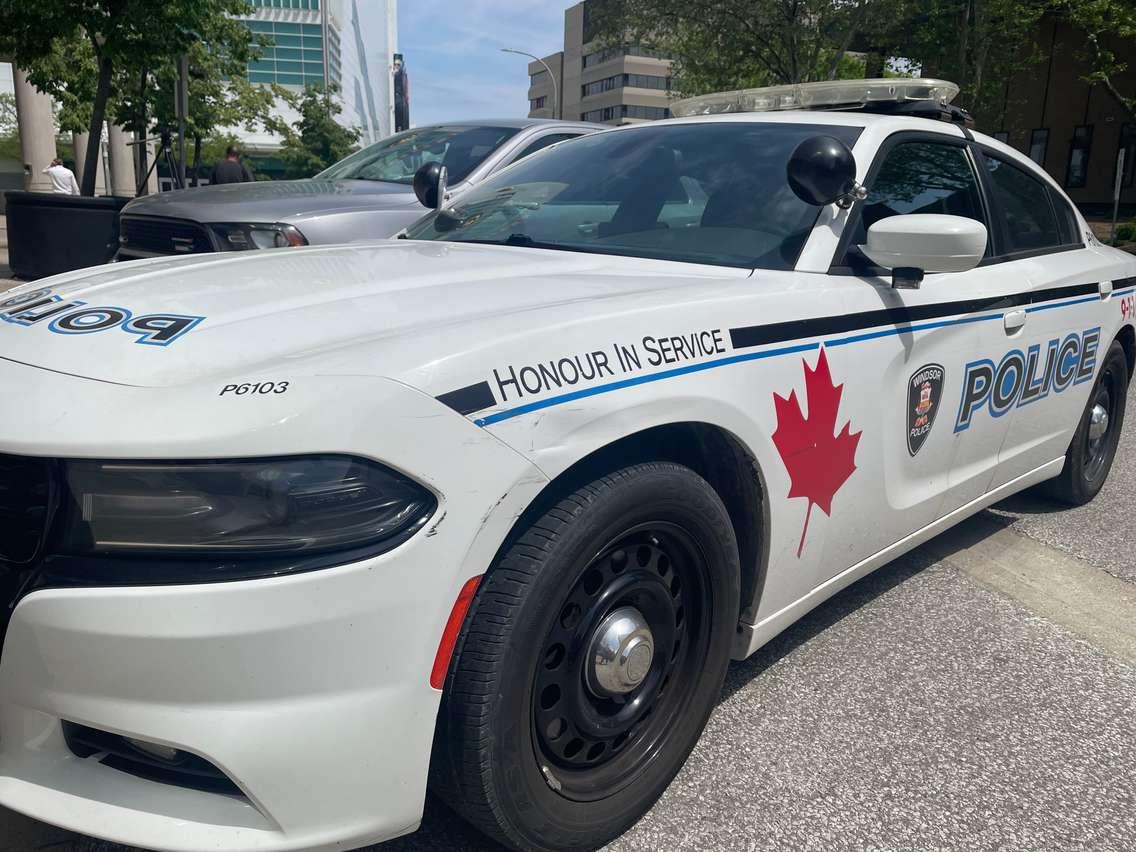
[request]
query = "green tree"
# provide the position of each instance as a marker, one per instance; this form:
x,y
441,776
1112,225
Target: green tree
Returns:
x,y
315,140
1110,30
977,44
220,95
98,51
7,114
729,44
9,139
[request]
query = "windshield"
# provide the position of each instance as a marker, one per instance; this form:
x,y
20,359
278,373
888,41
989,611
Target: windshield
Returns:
x,y
710,192
395,160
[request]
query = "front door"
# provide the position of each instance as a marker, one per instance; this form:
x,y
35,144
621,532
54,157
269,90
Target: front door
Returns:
x,y
911,349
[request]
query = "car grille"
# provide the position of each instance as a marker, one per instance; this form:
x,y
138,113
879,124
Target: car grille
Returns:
x,y
163,236
26,494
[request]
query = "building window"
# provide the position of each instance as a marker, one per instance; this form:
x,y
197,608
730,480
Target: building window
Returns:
x,y
1003,137
295,53
625,111
1077,174
652,113
538,78
598,115
537,103
1128,145
598,56
638,81
1039,144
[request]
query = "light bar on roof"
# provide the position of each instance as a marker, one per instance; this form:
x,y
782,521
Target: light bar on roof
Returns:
x,y
833,94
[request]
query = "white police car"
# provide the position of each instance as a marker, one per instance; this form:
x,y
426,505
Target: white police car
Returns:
x,y
284,535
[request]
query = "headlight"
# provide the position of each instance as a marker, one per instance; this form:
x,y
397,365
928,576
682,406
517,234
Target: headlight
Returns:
x,y
256,507
242,237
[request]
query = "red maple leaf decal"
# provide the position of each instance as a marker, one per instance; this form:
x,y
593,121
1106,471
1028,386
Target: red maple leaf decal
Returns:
x,y
818,461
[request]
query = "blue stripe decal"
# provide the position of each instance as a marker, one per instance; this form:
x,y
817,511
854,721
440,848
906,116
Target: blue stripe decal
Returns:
x,y
1034,310
640,380
560,399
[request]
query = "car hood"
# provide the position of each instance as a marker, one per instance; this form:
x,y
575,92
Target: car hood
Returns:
x,y
272,201
390,308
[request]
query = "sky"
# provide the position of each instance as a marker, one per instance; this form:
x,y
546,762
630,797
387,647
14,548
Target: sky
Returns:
x,y
454,60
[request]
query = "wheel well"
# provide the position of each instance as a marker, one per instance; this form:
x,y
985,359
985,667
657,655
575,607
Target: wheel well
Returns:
x,y
713,453
1127,338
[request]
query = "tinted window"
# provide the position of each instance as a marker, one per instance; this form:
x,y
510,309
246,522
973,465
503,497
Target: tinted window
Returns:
x,y
1078,171
1039,142
1128,143
1023,207
917,177
543,142
703,193
395,160
1067,223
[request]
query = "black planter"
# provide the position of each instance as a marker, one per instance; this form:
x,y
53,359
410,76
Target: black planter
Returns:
x,y
50,233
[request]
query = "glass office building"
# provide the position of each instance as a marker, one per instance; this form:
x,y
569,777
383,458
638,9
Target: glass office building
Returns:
x,y
297,54
347,43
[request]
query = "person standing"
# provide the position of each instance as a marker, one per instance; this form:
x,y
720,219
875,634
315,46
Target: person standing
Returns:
x,y
62,178
230,169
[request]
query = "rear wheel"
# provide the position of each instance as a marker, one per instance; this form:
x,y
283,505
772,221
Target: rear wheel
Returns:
x,y
591,660
1090,455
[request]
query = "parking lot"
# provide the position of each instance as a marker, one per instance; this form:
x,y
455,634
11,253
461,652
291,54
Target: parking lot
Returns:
x,y
979,693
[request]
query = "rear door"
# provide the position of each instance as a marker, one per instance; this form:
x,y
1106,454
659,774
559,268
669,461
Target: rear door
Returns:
x,y
1063,326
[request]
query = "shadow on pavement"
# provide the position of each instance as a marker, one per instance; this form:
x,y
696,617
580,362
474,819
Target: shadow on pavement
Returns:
x,y
443,829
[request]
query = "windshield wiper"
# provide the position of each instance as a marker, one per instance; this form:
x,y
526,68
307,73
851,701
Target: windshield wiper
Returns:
x,y
520,240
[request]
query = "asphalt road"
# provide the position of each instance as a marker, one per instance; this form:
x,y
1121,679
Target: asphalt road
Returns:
x,y
977,694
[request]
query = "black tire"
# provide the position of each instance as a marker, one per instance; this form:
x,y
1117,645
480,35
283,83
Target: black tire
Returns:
x,y
501,746
1089,457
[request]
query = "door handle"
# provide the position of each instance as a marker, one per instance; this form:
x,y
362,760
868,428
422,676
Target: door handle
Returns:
x,y
1013,320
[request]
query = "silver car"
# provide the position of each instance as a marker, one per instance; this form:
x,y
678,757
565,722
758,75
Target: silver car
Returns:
x,y
367,195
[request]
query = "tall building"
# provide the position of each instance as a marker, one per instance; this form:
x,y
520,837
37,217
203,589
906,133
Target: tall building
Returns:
x,y
1068,125
347,43
621,85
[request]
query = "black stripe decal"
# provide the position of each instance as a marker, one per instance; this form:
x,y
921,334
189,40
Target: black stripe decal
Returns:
x,y
762,335
478,397
469,399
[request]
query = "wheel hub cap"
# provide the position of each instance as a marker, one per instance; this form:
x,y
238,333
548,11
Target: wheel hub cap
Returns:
x,y
1098,422
620,653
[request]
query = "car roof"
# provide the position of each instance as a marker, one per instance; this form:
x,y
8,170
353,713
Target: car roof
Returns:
x,y
839,118
519,123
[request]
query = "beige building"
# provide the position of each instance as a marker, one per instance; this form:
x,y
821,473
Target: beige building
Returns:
x,y
610,85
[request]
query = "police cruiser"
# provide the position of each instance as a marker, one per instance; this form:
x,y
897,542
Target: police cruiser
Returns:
x,y
288,536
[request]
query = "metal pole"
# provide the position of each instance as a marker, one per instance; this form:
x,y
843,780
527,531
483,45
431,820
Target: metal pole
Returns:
x,y
1116,193
556,111
182,110
326,50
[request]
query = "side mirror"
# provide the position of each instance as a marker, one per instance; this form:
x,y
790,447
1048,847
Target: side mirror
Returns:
x,y
430,184
915,243
822,171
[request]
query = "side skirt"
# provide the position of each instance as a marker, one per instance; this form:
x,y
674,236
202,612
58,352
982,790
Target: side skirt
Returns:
x,y
750,637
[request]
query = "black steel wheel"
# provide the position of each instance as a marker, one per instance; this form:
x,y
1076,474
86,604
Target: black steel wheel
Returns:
x,y
1093,449
635,623
590,661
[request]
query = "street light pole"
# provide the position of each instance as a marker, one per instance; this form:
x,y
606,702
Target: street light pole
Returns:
x,y
556,111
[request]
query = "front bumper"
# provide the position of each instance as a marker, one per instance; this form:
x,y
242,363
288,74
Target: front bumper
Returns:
x,y
310,692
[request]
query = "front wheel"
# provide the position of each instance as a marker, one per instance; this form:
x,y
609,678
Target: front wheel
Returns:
x,y
1090,455
590,661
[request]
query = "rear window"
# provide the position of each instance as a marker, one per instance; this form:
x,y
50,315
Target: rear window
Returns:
x,y
1029,222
